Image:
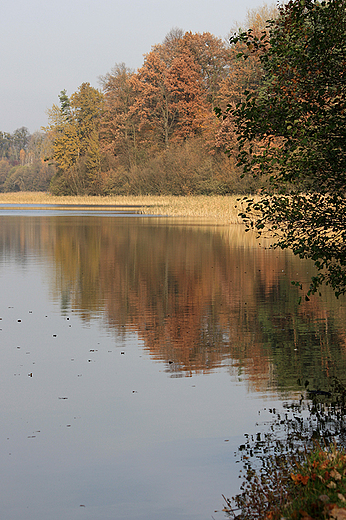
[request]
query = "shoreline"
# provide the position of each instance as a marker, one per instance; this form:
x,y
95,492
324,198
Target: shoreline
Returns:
x,y
221,208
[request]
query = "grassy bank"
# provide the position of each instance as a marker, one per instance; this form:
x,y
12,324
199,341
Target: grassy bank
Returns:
x,y
221,208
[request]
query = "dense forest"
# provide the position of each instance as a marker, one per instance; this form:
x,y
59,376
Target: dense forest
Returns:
x,y
153,131
23,161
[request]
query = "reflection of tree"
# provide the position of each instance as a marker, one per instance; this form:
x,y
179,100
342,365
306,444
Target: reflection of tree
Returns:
x,y
197,296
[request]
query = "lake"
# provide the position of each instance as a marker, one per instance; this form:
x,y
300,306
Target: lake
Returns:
x,y
136,352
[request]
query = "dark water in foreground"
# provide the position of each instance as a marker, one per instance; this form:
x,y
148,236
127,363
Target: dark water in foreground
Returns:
x,y
135,353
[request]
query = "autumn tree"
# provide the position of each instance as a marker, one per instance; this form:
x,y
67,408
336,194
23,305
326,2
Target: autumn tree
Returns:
x,y
213,57
74,129
257,18
169,98
119,129
180,80
293,129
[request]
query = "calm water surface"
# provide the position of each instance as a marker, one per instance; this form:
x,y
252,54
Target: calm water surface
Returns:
x,y
136,352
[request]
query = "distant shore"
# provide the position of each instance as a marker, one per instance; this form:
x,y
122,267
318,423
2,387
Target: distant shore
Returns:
x,y
224,209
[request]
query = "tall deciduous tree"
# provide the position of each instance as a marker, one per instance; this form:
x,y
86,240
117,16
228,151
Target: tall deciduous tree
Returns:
x,y
169,98
294,129
119,129
213,57
74,129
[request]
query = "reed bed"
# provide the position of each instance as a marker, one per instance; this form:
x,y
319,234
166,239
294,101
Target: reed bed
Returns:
x,y
223,209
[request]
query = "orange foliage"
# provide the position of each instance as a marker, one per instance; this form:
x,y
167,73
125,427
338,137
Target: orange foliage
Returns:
x,y
171,97
300,479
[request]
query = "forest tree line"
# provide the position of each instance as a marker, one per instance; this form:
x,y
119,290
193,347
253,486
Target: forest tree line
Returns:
x,y
23,164
150,131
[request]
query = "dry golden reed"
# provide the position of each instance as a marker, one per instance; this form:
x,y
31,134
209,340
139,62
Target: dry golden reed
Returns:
x,y
223,209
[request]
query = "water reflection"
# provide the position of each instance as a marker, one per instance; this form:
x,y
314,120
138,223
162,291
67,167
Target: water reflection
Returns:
x,y
199,297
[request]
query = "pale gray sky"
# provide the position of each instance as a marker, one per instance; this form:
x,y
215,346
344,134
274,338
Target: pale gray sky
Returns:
x,y
51,45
